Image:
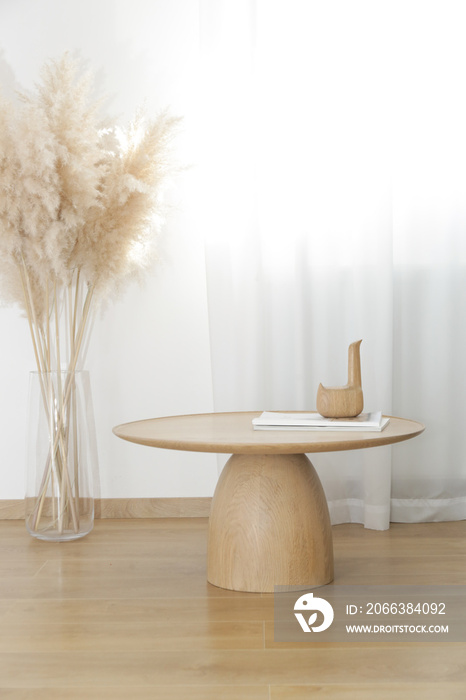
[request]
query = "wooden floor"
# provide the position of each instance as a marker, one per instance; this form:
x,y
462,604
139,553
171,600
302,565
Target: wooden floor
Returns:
x,y
127,613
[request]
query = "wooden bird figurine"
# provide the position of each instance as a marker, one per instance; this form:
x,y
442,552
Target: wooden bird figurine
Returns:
x,y
344,401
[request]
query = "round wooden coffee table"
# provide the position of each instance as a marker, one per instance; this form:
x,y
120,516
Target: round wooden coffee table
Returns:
x,y
269,523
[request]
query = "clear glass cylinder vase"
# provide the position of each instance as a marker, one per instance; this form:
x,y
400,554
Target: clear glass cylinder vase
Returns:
x,y
61,456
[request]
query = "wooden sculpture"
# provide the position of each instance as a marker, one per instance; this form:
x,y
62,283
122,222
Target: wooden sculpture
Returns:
x,y
344,401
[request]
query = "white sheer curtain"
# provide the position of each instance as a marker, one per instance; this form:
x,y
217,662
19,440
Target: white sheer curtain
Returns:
x,y
335,197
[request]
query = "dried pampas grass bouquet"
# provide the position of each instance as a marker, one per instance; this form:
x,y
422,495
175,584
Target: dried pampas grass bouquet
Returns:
x,y
79,201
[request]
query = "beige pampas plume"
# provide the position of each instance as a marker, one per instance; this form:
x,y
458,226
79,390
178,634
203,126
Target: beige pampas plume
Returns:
x,y
115,241
78,202
72,118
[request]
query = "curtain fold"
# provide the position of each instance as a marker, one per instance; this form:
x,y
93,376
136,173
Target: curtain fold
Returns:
x,y
334,156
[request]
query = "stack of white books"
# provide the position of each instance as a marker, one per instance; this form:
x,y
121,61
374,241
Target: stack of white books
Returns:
x,y
270,420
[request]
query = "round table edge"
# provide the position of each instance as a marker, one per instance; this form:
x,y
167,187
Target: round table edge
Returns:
x,y
370,439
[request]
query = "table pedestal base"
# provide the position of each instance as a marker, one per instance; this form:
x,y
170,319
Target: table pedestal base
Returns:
x,y
269,525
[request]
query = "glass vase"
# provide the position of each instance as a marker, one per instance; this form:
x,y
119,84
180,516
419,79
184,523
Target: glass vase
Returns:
x,y
61,456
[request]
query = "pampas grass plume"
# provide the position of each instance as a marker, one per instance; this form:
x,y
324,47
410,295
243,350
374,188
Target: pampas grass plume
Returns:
x,y
76,199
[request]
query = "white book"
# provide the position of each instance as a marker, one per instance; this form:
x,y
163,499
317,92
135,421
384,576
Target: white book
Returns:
x,y
270,420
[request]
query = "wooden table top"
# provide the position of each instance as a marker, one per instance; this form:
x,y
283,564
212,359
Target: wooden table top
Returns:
x,y
233,433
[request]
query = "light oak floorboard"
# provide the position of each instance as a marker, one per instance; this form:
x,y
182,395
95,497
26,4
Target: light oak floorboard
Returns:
x,y
442,663
126,612
381,691
168,610
130,636
182,692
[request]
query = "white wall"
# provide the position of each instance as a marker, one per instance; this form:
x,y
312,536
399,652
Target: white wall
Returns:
x,y
149,353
